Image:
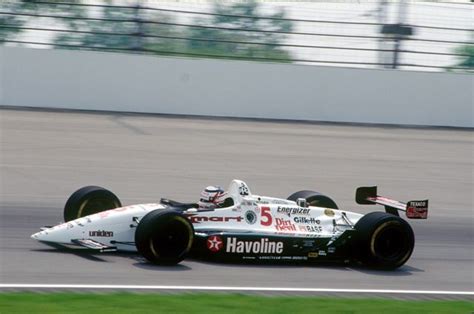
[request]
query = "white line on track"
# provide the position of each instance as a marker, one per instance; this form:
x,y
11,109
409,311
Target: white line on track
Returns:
x,y
217,288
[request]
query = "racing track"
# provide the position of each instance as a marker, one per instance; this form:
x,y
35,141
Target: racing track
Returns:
x,y
47,155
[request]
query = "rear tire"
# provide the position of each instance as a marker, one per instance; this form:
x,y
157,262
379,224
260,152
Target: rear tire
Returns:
x,y
314,198
89,200
164,237
383,240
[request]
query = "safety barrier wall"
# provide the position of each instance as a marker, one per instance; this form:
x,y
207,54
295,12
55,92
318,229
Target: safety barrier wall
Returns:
x,y
139,83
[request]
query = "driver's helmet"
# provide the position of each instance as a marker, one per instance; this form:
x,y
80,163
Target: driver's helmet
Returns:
x,y
212,197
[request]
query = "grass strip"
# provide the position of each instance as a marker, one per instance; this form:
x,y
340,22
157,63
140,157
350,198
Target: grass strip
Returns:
x,y
91,303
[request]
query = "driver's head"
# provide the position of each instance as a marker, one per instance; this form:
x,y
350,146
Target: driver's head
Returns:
x,y
212,197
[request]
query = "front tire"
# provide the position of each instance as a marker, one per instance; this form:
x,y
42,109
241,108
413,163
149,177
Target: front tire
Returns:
x,y
164,237
383,240
314,198
89,200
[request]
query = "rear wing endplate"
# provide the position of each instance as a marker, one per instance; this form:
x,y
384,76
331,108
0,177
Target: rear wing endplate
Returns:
x,y
412,209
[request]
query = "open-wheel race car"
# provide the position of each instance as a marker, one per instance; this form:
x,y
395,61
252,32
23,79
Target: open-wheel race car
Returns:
x,y
238,226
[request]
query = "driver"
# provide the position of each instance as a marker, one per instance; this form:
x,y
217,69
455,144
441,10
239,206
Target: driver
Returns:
x,y
212,197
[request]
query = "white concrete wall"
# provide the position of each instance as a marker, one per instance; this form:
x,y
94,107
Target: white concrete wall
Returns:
x,y
109,81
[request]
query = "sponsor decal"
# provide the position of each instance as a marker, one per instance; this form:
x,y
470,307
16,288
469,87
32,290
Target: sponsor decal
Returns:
x,y
331,249
293,210
260,201
237,208
316,229
294,258
328,212
69,225
250,217
308,243
417,209
413,212
262,246
248,203
101,233
418,203
284,225
280,202
313,254
243,189
59,226
288,258
248,257
198,219
104,214
322,253
214,243
306,220
121,209
271,201
269,257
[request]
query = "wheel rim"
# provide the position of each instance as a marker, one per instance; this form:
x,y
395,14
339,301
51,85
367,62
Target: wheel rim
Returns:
x,y
95,205
172,239
390,243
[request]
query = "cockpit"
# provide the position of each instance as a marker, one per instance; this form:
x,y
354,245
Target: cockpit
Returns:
x,y
213,197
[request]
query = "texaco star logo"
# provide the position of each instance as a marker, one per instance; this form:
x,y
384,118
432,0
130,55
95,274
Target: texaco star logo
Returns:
x,y
214,243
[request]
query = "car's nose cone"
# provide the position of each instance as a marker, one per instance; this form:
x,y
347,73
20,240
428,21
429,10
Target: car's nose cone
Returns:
x,y
40,236
55,234
47,235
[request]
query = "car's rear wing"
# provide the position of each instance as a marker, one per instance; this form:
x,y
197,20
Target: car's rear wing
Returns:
x,y
412,209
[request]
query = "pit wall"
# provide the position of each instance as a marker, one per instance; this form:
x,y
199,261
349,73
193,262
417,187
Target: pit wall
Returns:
x,y
86,80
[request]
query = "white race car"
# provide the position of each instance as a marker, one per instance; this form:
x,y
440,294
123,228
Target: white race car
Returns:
x,y
305,227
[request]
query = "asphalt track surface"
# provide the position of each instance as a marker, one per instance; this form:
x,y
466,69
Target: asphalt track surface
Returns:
x,y
45,156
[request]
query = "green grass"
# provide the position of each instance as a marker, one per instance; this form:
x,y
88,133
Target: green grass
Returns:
x,y
208,303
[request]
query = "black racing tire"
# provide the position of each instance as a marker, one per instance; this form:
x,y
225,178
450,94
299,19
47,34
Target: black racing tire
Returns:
x,y
164,237
89,200
314,199
383,241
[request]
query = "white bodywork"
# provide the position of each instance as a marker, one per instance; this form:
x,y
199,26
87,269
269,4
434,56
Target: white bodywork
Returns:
x,y
249,214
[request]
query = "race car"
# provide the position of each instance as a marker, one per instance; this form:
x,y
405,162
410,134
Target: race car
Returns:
x,y
238,226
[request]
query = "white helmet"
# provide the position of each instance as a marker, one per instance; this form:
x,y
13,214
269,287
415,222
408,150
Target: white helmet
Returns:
x,y
212,197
